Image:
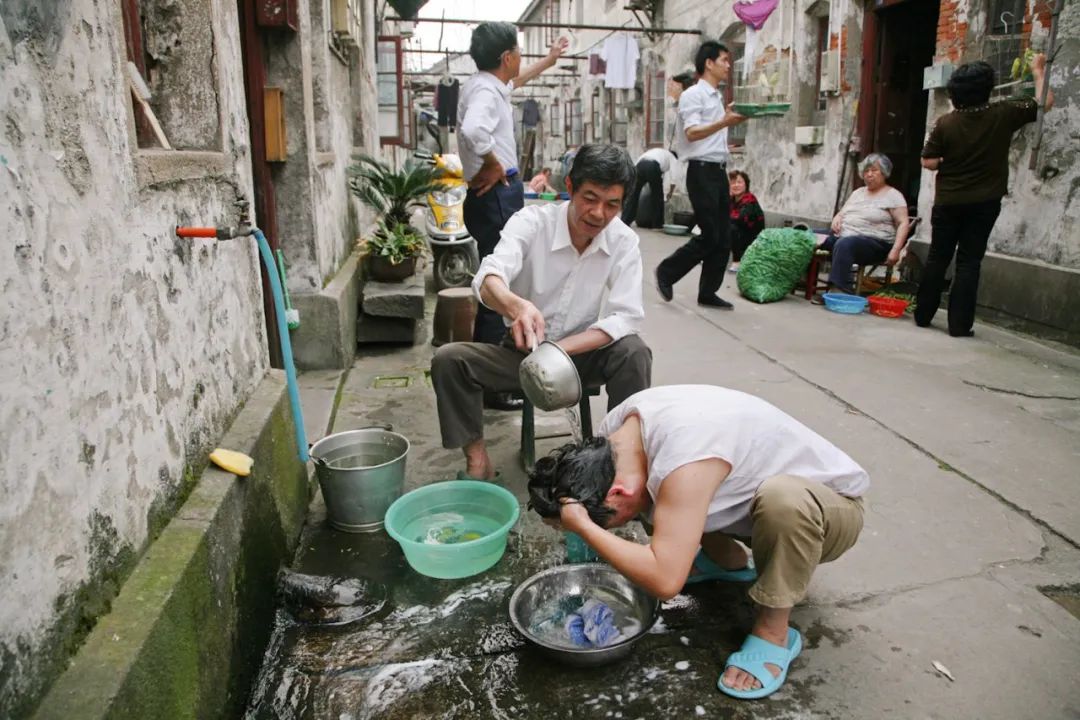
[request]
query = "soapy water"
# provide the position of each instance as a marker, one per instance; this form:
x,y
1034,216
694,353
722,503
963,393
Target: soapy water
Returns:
x,y
554,622
450,528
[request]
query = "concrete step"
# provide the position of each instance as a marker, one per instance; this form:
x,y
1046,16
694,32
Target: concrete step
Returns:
x,y
394,300
376,329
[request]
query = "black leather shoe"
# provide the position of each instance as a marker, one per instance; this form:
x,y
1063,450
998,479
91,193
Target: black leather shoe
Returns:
x,y
714,301
666,289
962,333
502,401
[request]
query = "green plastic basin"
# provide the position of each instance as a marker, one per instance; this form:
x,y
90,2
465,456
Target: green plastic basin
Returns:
x,y
453,529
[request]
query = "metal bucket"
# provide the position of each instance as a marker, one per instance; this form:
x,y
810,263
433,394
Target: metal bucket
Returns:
x,y
361,473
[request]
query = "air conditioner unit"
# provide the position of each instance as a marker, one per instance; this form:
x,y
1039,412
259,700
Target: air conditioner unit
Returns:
x,y
810,135
830,71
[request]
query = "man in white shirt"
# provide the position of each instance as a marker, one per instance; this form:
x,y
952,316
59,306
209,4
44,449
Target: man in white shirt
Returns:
x,y
568,272
712,468
653,167
705,120
487,147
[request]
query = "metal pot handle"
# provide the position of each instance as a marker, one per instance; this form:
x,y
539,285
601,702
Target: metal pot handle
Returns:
x,y
388,427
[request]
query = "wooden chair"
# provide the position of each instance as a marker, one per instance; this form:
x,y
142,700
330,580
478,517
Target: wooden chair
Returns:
x,y
528,426
815,283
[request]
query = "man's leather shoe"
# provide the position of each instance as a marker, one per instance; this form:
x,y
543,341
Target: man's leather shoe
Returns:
x,y
501,401
667,291
716,302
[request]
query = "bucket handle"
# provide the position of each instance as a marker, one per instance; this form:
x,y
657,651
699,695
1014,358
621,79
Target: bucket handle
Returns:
x,y
388,427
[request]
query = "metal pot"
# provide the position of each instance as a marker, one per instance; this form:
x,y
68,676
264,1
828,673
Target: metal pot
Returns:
x,y
549,378
585,579
361,473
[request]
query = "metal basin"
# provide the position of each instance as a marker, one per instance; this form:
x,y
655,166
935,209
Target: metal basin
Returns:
x,y
549,378
535,596
361,473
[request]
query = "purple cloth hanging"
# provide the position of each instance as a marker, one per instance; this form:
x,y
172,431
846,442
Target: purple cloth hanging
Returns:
x,y
756,12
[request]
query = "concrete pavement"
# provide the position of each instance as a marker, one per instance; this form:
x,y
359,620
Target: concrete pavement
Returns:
x,y
972,446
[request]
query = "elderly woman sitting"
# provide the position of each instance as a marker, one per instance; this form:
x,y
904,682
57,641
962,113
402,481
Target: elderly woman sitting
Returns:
x,y
871,227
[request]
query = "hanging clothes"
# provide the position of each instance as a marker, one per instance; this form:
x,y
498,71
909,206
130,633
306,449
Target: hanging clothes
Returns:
x,y
530,113
446,102
597,66
754,13
620,52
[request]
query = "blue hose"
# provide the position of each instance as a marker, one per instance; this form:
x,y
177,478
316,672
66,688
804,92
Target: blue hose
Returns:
x,y
286,345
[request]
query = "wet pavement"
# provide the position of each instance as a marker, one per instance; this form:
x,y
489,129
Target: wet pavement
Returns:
x,y
969,558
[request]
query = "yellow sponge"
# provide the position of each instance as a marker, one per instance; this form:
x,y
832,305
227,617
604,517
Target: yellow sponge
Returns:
x,y
235,462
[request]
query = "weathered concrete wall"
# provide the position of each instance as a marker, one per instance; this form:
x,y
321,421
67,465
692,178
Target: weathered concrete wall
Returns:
x,y
326,109
126,350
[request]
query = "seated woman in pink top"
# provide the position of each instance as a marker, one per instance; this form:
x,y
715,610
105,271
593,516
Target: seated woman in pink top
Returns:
x,y
541,182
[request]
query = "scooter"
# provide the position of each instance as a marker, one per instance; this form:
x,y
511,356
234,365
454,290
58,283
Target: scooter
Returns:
x,y
454,249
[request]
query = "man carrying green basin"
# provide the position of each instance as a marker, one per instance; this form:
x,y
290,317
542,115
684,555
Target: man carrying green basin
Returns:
x,y
713,470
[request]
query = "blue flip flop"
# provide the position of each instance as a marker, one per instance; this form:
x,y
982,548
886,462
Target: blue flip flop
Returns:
x,y
708,570
752,657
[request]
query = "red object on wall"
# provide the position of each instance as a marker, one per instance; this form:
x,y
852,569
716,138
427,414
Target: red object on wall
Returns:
x,y
277,14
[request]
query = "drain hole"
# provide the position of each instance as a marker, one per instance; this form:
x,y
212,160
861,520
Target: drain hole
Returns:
x,y
1067,596
391,381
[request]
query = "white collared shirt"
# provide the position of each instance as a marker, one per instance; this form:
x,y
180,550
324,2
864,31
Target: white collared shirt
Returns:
x,y
486,123
537,261
703,104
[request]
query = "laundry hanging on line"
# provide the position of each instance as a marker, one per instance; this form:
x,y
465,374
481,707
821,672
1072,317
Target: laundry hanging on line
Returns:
x,y
446,102
620,52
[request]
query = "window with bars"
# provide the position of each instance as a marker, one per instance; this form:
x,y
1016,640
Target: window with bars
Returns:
x,y
655,88
551,15
574,129
553,118
388,88
618,116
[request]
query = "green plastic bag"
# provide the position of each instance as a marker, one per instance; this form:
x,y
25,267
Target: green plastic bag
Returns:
x,y
774,262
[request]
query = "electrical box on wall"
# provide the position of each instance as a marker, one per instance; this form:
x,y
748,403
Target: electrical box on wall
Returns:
x,y
274,115
937,76
277,14
830,71
810,135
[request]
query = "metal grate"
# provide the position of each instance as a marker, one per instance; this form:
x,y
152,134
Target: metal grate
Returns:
x,y
391,381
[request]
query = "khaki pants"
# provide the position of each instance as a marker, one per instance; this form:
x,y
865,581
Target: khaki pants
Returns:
x,y
797,524
461,373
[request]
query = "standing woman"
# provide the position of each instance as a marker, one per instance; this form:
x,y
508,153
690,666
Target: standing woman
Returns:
x,y
969,149
747,219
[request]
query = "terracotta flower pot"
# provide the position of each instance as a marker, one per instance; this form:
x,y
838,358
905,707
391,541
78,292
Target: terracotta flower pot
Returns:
x,y
382,270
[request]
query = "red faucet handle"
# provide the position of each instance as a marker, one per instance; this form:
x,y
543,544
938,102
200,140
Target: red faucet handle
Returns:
x,y
196,232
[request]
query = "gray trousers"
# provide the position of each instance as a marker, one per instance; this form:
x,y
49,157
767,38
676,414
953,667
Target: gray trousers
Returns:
x,y
461,372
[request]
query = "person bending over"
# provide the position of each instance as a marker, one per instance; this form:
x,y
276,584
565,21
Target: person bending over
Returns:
x,y
712,469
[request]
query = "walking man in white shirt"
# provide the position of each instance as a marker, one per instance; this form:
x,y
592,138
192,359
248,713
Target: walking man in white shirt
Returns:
x,y
548,279
714,470
653,167
701,109
487,147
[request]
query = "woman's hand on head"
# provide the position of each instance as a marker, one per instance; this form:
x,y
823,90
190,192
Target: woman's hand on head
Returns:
x,y
573,516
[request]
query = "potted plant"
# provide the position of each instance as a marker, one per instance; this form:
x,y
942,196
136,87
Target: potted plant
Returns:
x,y
392,193
392,252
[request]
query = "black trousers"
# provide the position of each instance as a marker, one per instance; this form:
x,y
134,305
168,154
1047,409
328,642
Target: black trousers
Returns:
x,y
707,186
963,229
485,216
648,173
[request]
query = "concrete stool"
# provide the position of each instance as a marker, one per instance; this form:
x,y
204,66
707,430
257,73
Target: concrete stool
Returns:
x,y
528,426
455,312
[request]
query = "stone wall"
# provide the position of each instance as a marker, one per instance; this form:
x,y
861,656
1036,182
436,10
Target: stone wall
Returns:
x,y
126,350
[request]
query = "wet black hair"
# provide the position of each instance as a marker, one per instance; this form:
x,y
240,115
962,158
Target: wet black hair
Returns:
x,y
605,165
489,41
579,471
685,79
709,50
971,84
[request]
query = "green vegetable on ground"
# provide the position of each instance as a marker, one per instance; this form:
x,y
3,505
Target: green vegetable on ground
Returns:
x,y
774,262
